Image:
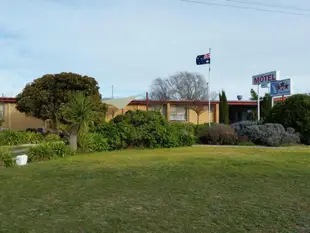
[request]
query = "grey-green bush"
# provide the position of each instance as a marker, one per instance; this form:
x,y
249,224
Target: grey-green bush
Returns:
x,y
266,134
48,151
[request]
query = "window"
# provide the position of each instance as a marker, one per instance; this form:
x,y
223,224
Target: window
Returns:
x,y
178,113
156,107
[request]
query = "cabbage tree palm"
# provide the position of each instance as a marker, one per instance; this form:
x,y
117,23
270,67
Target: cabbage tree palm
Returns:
x,y
80,113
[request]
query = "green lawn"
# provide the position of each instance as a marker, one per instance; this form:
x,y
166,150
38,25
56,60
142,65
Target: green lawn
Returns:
x,y
173,190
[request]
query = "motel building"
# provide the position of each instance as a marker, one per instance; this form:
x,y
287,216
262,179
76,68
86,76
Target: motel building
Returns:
x,y
174,111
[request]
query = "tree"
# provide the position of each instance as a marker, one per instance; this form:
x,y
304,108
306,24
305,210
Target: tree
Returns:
x,y
254,95
198,109
181,86
224,108
265,103
44,97
79,114
294,113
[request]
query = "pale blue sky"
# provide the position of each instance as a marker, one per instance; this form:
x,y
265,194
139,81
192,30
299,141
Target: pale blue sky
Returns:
x,y
128,43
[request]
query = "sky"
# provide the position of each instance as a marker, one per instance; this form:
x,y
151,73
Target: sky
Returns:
x,y
128,43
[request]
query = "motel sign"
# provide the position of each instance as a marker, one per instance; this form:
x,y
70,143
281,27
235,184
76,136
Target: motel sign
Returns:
x,y
265,78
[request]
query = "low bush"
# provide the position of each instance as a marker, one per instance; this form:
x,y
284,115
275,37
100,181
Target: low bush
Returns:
x,y
52,138
217,134
10,137
180,135
92,142
198,128
6,157
116,134
141,129
266,134
48,151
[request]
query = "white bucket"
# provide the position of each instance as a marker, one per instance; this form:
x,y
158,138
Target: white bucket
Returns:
x,y
21,160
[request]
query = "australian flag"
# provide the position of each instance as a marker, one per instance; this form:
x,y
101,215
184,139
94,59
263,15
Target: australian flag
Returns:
x,y
203,59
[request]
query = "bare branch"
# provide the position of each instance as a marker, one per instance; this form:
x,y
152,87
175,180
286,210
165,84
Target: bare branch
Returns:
x,y
180,86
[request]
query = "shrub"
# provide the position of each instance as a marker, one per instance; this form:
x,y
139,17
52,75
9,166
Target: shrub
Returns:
x,y
6,157
141,129
181,134
293,113
93,142
218,134
266,134
290,137
198,128
241,127
116,134
52,138
9,137
48,151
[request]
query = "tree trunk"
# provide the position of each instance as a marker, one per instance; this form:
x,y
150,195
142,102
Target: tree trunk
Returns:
x,y
73,141
198,119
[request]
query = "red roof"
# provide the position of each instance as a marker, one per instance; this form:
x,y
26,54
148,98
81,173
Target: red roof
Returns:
x,y
7,100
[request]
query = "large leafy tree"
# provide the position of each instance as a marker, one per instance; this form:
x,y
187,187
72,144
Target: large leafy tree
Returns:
x,y
79,114
45,96
294,113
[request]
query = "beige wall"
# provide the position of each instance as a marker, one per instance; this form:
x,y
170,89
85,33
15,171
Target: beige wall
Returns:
x,y
191,115
15,120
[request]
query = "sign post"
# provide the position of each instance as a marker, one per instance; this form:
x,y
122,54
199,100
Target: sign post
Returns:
x,y
263,79
203,60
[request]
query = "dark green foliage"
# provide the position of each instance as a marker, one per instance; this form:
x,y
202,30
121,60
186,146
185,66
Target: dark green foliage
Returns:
x,y
266,106
224,108
6,157
254,95
48,151
218,134
93,142
293,113
116,134
9,137
265,134
182,134
44,97
141,129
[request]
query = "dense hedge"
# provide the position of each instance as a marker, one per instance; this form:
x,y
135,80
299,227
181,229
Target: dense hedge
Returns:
x,y
266,134
11,138
6,157
293,113
48,151
217,134
141,129
92,142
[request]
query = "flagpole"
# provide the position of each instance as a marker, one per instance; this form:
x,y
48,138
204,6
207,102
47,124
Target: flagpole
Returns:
x,y
209,94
